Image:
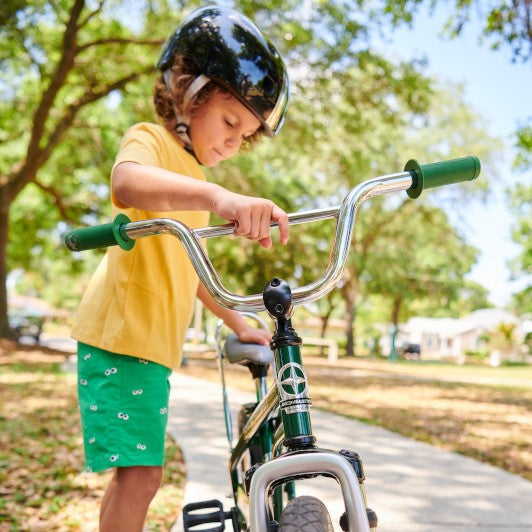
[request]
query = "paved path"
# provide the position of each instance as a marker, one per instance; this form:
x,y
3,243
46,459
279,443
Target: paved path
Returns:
x,y
58,342
412,486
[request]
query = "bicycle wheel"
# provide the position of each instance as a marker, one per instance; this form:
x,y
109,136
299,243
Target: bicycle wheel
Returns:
x,y
254,453
306,514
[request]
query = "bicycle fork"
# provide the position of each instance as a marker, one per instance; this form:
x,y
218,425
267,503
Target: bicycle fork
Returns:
x,y
303,458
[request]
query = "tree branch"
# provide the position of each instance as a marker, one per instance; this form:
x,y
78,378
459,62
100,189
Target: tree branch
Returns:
x,y
58,201
119,40
90,15
21,177
30,55
64,66
87,98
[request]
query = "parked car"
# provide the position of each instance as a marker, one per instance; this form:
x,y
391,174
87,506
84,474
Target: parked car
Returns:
x,y
412,351
26,324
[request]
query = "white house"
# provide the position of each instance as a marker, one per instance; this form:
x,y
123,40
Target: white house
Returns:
x,y
441,338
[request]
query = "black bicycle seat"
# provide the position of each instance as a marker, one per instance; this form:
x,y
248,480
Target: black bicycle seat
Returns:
x,y
240,353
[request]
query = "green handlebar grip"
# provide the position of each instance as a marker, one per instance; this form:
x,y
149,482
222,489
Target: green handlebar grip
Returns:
x,y
442,173
100,236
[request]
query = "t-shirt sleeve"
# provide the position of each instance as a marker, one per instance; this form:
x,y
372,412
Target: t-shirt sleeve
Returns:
x,y
139,145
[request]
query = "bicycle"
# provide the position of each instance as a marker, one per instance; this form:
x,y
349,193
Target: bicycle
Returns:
x,y
275,446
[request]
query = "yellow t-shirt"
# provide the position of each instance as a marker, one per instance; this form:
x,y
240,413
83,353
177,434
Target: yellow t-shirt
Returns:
x,y
140,302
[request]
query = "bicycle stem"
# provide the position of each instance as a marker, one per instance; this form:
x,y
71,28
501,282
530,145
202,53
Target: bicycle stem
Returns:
x,y
345,214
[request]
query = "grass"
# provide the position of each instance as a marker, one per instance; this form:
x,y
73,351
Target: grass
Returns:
x,y
516,374
489,422
41,455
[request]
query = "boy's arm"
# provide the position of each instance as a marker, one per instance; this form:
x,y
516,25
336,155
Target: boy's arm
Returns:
x,y
234,320
151,188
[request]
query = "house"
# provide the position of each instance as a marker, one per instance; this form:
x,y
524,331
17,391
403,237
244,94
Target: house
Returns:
x,y
450,338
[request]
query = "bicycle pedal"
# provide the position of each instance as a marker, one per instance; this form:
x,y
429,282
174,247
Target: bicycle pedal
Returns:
x,y
205,512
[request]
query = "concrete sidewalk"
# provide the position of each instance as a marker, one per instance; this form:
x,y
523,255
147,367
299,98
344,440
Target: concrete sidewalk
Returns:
x,y
411,486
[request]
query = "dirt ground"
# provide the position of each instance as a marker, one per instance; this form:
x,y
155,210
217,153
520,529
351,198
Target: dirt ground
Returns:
x,y
42,483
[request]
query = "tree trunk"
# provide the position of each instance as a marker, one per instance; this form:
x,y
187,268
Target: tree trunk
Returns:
x,y
323,330
395,311
350,315
395,321
324,322
4,221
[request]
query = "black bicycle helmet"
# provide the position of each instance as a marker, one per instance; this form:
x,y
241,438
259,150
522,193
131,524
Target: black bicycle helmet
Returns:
x,y
229,49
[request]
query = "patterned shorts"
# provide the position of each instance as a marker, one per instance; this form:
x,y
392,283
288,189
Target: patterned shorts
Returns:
x,y
123,403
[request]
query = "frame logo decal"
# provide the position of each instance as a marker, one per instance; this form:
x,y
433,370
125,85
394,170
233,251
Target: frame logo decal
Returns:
x,y
293,389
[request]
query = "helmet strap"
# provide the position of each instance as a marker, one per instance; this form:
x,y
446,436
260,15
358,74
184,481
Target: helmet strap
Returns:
x,y
182,116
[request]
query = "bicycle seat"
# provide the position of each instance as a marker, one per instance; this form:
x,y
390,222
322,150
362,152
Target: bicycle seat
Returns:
x,y
240,353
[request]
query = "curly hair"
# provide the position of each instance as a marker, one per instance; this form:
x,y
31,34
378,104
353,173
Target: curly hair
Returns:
x,y
184,72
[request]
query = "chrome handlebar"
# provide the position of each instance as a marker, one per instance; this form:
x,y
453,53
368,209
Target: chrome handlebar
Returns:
x,y
345,214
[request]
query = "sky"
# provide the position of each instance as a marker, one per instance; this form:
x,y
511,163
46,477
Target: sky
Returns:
x,y
500,91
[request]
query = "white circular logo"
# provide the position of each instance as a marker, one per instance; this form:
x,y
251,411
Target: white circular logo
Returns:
x,y
292,380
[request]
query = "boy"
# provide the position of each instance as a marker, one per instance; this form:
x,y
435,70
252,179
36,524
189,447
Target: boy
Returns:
x,y
222,85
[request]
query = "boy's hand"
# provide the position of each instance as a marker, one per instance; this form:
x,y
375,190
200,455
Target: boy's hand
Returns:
x,y
252,216
252,335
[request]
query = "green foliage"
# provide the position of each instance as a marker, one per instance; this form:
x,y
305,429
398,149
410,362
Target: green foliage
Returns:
x,y
505,340
523,160
522,301
419,257
354,115
505,23
58,63
476,355
519,199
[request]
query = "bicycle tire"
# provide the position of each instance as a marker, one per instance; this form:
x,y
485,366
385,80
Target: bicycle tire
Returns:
x,y
306,514
253,454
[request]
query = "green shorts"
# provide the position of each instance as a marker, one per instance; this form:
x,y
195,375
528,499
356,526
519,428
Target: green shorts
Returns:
x,y
123,403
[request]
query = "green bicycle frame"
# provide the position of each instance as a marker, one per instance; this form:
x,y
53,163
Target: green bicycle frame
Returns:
x,y
293,393
259,428
289,394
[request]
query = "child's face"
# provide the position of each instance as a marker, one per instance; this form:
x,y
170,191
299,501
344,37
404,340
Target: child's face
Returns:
x,y
218,128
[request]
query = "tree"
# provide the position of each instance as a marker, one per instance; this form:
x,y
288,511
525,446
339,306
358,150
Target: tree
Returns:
x,y
57,58
60,59
504,342
419,257
378,112
507,23
328,145
437,134
520,201
80,74
468,296
520,198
